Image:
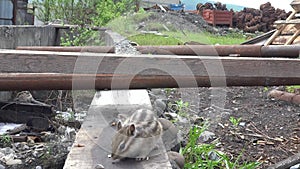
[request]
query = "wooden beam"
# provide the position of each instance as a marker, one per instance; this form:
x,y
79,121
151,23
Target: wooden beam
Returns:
x,y
96,132
16,61
66,70
279,30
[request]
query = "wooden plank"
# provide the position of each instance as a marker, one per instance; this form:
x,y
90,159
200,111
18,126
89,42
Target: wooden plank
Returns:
x,y
291,39
279,30
67,70
96,132
12,61
285,22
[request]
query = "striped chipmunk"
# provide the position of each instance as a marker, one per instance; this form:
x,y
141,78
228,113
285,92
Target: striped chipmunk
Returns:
x,y
137,136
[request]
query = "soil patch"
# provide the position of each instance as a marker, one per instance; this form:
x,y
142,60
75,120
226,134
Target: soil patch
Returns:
x,y
268,130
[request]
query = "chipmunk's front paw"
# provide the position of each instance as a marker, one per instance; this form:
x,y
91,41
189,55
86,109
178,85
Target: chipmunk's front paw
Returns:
x,y
142,159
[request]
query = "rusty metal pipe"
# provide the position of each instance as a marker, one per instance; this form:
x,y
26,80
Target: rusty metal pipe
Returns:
x,y
289,51
29,81
203,50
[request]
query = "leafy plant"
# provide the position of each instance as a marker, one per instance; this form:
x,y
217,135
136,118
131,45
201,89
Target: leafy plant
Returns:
x,y
85,14
201,155
168,91
180,107
5,139
235,121
292,89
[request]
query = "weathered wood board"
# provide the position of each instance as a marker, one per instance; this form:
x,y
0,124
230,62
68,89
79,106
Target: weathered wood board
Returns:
x,y
72,70
96,132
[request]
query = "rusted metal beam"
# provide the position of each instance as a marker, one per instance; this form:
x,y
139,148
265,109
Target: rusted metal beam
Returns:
x,y
291,51
202,50
25,81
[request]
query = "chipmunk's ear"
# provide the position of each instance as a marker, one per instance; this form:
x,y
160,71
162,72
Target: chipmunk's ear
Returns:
x,y
119,125
131,129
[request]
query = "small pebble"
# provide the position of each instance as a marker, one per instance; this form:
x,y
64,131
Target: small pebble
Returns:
x,y
38,167
242,124
99,166
295,166
206,136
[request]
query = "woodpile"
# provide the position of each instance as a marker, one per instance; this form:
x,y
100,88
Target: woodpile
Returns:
x,y
218,6
250,19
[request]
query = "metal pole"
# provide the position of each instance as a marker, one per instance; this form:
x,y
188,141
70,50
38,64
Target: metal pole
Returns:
x,y
42,81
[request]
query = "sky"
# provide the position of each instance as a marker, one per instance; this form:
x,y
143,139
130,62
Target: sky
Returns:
x,y
282,4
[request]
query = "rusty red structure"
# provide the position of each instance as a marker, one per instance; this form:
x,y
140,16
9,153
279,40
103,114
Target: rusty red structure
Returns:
x,y
217,17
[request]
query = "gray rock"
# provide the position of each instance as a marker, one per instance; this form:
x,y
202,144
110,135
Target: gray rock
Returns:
x,y
159,103
99,166
183,120
157,91
206,136
197,120
70,133
61,129
124,47
213,156
14,162
171,116
38,167
295,166
37,154
2,167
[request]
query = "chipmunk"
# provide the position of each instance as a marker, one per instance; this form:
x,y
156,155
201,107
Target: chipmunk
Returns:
x,y
137,136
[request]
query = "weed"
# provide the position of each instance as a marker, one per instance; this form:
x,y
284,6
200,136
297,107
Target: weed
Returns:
x,y
235,121
168,91
200,156
266,89
292,89
6,139
180,107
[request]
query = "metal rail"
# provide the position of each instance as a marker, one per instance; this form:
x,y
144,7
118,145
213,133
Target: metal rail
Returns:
x,y
25,81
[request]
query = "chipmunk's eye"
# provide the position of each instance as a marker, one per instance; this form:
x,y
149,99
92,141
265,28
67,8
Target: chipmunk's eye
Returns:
x,y
122,145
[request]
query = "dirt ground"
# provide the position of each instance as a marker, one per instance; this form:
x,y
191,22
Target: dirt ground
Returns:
x,y
268,130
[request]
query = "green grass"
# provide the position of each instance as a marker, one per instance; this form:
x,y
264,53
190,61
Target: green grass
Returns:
x,y
127,26
199,155
152,39
178,38
208,38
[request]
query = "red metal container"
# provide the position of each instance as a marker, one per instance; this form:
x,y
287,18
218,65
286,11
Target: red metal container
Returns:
x,y
217,17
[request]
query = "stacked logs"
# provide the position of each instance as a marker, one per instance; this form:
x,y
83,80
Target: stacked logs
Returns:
x,y
250,19
218,6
